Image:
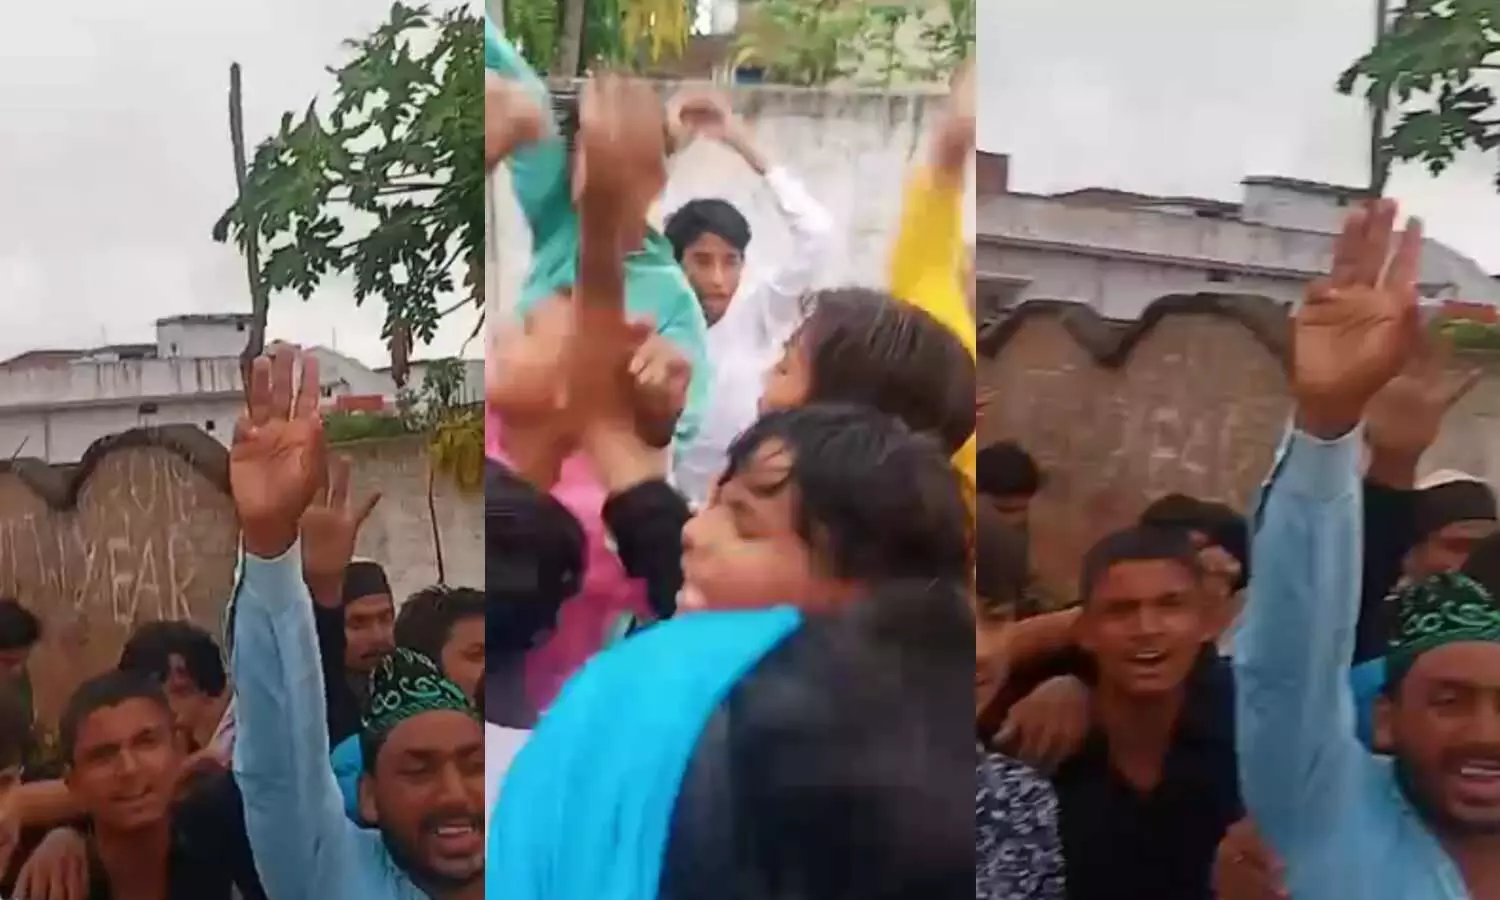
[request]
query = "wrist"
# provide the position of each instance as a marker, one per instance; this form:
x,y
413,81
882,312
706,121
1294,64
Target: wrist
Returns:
x,y
747,150
1393,469
1326,423
267,541
326,588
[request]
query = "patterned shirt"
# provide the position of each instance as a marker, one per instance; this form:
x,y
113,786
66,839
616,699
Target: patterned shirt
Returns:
x,y
1017,855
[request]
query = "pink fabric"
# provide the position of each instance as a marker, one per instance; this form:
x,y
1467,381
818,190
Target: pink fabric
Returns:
x,y
606,593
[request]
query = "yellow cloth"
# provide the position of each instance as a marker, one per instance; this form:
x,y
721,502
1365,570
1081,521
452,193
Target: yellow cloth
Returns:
x,y
925,267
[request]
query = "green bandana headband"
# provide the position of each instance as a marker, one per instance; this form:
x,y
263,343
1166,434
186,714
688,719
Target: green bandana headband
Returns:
x,y
406,684
1437,611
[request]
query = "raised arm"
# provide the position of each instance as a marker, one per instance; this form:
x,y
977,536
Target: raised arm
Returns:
x,y
1299,759
927,260
304,846
539,165
777,300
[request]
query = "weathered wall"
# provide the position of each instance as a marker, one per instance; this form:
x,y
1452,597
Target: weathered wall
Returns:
x,y
1190,398
851,148
144,529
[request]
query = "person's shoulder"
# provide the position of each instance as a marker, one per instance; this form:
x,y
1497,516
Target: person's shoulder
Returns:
x,y
1012,789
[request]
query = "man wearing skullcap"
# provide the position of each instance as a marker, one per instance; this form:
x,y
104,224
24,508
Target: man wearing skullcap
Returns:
x,y
423,741
1454,512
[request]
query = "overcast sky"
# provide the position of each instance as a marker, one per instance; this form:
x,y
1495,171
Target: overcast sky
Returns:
x,y
115,162
1189,96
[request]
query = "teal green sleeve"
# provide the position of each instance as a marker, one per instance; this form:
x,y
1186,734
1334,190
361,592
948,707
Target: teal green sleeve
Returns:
x,y
538,171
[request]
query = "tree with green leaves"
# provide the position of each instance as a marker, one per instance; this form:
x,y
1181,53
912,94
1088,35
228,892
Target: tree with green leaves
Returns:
x,y
566,37
1433,67
387,185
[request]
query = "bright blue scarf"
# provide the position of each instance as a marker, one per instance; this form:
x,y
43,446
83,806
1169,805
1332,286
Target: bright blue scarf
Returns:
x,y
586,809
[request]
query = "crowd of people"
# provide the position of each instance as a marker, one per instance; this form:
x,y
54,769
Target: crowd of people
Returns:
x,y
738,537
1301,700
729,523
333,749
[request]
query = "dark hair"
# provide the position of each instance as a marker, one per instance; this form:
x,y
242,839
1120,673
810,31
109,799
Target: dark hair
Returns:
x,y
15,725
868,348
873,500
1138,544
150,648
1483,564
1004,469
20,629
426,620
1219,522
839,768
533,561
102,692
1002,566
709,215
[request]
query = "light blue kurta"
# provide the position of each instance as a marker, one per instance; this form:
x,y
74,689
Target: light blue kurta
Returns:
x,y
1330,808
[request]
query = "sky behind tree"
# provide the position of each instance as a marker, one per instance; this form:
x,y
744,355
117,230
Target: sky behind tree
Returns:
x,y
1190,96
116,162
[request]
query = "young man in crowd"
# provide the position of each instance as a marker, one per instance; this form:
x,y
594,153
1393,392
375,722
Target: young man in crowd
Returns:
x,y
747,323
1422,824
423,745
1009,479
143,836
1153,787
186,661
20,632
446,625
352,604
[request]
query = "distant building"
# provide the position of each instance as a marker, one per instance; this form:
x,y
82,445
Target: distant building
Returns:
x,y
55,403
1118,251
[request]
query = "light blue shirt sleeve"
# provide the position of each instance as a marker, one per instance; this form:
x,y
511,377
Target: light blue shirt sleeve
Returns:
x,y
348,765
305,847
538,171
1299,756
1367,680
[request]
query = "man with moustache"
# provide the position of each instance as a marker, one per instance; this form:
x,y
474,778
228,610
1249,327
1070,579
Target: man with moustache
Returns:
x,y
423,785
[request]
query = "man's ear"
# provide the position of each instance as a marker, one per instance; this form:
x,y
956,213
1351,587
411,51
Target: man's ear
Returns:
x,y
368,813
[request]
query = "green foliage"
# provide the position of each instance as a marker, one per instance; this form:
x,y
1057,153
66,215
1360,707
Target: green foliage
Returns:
x,y
346,427
388,186
813,42
1429,65
454,429
1466,334
616,33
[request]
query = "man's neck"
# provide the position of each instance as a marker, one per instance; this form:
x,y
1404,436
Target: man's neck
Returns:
x,y
505,699
137,863
1478,860
1139,730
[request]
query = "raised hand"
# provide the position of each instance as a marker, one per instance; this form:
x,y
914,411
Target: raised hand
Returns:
x,y
660,375
329,528
956,135
276,463
1357,328
622,139
1403,419
695,112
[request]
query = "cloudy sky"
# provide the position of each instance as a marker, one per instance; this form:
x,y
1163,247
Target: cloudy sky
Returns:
x,y
1189,96
115,162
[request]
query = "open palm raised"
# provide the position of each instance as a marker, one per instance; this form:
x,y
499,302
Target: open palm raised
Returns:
x,y
276,463
1357,327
